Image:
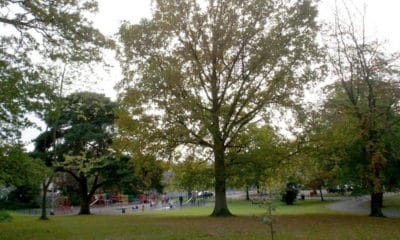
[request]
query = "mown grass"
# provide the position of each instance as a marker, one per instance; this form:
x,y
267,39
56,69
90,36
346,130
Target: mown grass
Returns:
x,y
305,220
392,202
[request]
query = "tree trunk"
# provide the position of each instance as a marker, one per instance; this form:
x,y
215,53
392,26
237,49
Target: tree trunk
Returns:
x,y
247,193
320,193
376,205
45,186
220,207
84,197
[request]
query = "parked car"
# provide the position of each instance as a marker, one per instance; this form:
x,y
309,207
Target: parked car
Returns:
x,y
205,194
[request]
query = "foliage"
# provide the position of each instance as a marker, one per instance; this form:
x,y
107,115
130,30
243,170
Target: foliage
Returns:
x,y
366,94
20,93
22,197
192,174
148,173
196,74
36,32
260,153
18,168
83,132
290,194
5,217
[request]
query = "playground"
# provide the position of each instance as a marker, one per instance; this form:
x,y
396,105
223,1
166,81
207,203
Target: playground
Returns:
x,y
103,203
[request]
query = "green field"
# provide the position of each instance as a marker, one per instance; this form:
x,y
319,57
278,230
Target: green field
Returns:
x,y
304,220
391,203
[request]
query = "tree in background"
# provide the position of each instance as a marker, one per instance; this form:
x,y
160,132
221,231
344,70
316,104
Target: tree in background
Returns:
x,y
22,173
366,95
150,172
84,132
17,168
197,73
259,151
192,174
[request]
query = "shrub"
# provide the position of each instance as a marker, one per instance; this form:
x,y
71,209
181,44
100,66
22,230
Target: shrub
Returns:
x,y
5,216
290,194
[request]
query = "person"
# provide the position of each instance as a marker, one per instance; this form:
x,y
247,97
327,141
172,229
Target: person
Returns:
x,y
180,200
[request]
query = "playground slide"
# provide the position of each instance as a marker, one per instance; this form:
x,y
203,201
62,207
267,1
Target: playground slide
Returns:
x,y
94,202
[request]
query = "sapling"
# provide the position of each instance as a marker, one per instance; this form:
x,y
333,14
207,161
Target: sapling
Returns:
x,y
268,218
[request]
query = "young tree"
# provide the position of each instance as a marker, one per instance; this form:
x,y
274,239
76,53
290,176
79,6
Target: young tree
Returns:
x,y
201,71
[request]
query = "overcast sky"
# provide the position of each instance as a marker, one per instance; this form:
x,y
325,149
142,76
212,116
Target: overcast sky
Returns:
x,y
382,21
383,16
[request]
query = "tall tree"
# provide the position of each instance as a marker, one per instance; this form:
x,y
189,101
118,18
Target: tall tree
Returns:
x,y
208,68
368,95
34,32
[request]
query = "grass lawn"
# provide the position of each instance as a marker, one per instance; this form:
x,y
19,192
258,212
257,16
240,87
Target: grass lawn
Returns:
x,y
305,220
392,202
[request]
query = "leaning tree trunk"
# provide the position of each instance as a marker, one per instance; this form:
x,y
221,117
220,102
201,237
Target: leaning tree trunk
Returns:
x,y
84,197
220,207
320,193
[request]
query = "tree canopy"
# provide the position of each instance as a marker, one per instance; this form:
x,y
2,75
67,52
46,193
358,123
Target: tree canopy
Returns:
x,y
83,132
365,96
202,71
18,168
33,33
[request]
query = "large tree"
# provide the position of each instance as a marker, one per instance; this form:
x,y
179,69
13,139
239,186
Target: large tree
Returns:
x,y
208,68
367,94
83,132
35,32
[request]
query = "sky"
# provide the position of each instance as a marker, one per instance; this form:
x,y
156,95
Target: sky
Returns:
x,y
382,21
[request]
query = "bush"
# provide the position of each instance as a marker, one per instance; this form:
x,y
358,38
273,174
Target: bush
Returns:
x,y
5,216
290,194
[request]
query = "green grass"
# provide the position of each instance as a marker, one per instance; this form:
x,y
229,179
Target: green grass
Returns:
x,y
305,220
392,202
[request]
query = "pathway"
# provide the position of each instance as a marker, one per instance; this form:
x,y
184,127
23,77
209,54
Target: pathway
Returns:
x,y
357,205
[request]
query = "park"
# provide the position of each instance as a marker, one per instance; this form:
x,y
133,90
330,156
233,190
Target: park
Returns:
x,y
309,219
192,119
